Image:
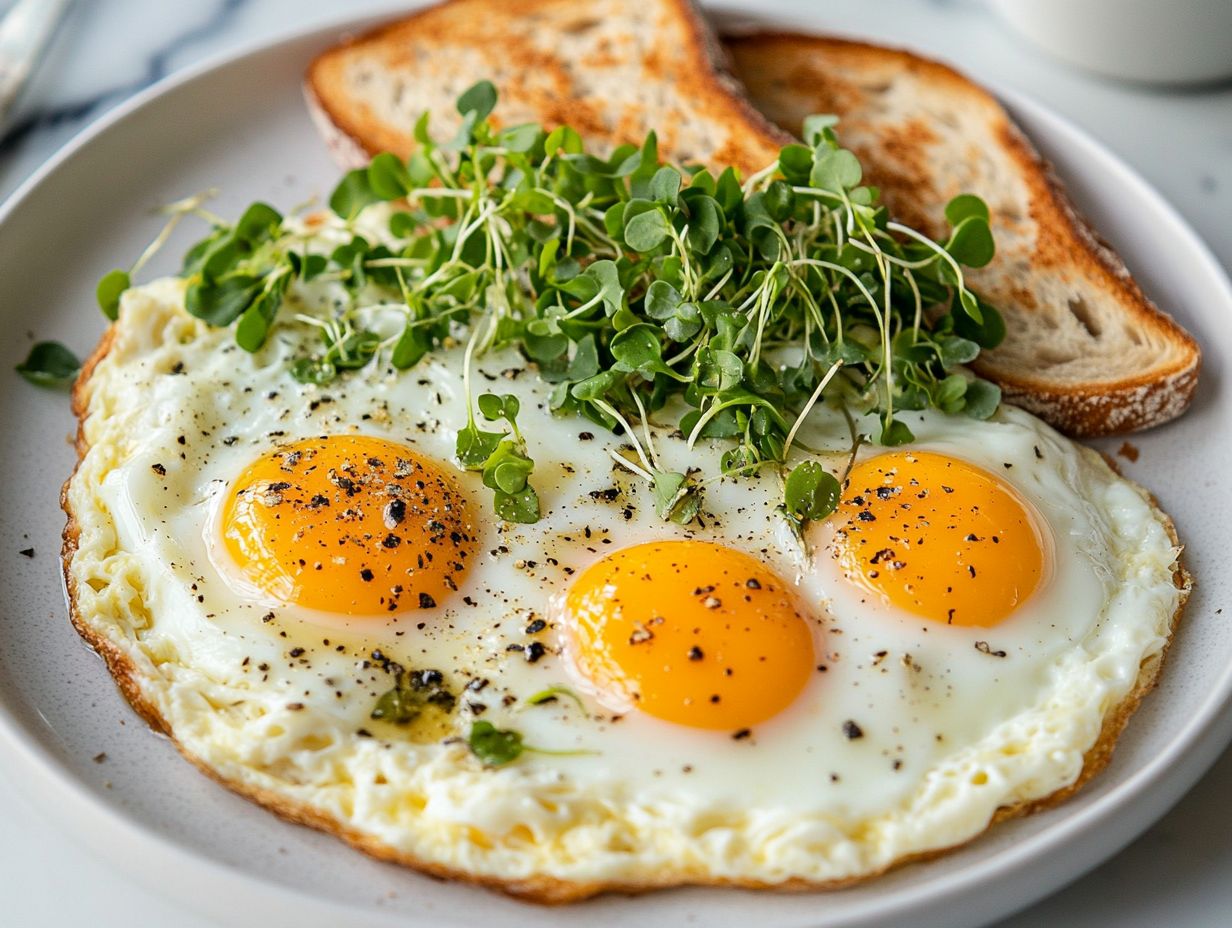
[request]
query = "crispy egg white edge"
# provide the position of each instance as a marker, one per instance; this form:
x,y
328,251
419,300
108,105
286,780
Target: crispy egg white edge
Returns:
x,y
429,797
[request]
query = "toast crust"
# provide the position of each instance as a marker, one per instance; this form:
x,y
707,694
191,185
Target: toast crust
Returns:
x,y
776,64
542,889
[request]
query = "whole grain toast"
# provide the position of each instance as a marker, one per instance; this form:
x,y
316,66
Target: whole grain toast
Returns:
x,y
1085,349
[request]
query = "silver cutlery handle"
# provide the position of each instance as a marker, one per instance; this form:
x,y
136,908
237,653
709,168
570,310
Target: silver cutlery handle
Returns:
x,y
24,33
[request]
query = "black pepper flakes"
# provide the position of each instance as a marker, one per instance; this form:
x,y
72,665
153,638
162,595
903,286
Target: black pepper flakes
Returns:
x,y
640,635
852,730
395,512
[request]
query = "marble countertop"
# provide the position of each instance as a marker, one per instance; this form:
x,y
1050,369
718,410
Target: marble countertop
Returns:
x,y
1178,873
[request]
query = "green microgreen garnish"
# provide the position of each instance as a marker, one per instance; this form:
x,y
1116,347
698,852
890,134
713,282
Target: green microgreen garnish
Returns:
x,y
641,291
411,693
110,287
49,364
811,492
495,747
500,456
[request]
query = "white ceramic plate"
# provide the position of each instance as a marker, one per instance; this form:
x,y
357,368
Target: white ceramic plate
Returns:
x,y
241,126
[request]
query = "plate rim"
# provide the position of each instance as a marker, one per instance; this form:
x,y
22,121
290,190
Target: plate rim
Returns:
x,y
1163,779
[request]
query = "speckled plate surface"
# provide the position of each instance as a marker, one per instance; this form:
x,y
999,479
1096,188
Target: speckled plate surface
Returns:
x,y
240,125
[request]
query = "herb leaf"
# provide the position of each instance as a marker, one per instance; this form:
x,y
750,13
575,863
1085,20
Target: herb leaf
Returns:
x,y
646,231
964,205
110,287
971,242
412,692
502,460
49,364
494,747
982,399
353,194
812,492
475,446
676,499
480,99
388,177
522,506
835,169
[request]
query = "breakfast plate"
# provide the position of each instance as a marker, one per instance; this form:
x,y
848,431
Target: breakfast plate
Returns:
x,y
240,125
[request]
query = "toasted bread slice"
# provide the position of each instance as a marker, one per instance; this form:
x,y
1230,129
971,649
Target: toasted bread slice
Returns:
x,y
612,69
1085,349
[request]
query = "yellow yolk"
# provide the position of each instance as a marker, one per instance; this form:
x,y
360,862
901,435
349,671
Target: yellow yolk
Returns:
x,y
690,632
938,537
349,524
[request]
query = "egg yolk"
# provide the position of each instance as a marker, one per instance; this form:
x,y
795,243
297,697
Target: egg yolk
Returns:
x,y
690,632
349,524
938,537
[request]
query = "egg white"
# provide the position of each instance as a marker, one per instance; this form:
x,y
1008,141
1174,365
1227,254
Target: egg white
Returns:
x,y
278,700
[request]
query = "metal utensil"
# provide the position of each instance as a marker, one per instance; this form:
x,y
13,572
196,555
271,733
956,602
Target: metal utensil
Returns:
x,y
24,33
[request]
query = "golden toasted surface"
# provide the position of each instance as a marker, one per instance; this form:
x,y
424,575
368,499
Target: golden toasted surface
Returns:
x,y
612,69
1085,349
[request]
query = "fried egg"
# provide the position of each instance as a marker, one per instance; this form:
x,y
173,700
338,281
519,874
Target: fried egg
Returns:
x,y
266,560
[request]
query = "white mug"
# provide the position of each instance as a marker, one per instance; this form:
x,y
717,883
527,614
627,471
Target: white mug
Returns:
x,y
1158,41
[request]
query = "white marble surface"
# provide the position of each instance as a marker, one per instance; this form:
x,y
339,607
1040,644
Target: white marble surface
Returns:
x,y
1177,874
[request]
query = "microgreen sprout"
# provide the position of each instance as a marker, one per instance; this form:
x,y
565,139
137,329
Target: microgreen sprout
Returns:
x,y
412,692
495,747
49,364
501,457
728,308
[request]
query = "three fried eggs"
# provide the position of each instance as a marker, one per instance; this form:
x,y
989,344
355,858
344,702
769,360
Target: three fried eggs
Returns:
x,y
708,703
